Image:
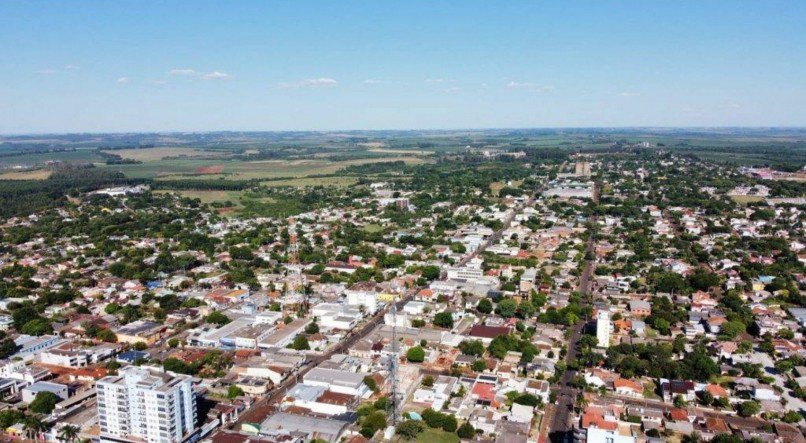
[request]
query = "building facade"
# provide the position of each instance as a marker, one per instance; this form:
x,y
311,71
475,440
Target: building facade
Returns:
x,y
603,328
140,405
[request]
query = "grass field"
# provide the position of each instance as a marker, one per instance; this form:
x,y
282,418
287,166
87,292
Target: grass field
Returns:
x,y
208,196
156,154
495,187
372,228
314,181
437,436
35,174
745,199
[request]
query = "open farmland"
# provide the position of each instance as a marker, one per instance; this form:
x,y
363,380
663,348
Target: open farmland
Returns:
x,y
189,168
159,153
29,160
34,174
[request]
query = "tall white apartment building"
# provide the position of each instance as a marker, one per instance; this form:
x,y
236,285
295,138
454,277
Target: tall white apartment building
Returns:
x,y
139,405
603,328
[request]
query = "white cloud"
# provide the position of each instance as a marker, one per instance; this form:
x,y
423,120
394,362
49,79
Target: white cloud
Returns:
x,y
123,80
379,81
182,72
322,82
628,94
530,86
72,67
216,75
439,80
453,90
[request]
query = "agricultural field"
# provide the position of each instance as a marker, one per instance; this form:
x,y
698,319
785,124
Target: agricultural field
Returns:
x,y
29,160
33,174
186,168
160,153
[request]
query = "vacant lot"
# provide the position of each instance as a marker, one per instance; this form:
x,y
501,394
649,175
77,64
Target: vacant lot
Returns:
x,y
208,196
745,199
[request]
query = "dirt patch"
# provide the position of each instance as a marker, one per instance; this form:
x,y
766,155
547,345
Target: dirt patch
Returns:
x,y
205,170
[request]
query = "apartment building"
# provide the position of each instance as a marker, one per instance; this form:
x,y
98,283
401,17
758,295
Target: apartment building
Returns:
x,y
139,405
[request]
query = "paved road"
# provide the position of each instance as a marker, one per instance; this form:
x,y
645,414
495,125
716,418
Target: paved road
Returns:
x,y
264,407
561,426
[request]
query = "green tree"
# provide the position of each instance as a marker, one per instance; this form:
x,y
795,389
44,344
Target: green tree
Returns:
x,y
300,343
312,328
68,433
507,308
485,306
234,391
472,347
371,384
444,320
409,429
449,423
466,431
792,417
731,329
37,326
749,408
374,422
415,354
527,400
217,318
43,403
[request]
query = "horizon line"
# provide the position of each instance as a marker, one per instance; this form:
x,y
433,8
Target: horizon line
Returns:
x,y
479,129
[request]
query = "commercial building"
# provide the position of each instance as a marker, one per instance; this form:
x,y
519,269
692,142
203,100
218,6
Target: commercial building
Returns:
x,y
139,405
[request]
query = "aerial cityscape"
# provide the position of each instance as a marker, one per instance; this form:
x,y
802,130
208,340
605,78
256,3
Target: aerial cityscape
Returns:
x,y
278,230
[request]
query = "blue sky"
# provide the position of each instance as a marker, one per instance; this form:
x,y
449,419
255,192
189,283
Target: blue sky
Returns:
x,y
108,66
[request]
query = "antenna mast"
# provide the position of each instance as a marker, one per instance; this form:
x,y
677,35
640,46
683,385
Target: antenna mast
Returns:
x,y
394,360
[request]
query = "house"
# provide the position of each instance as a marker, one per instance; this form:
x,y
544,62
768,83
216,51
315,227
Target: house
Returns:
x,y
437,395
539,388
521,413
640,308
319,400
140,331
624,386
673,388
487,333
